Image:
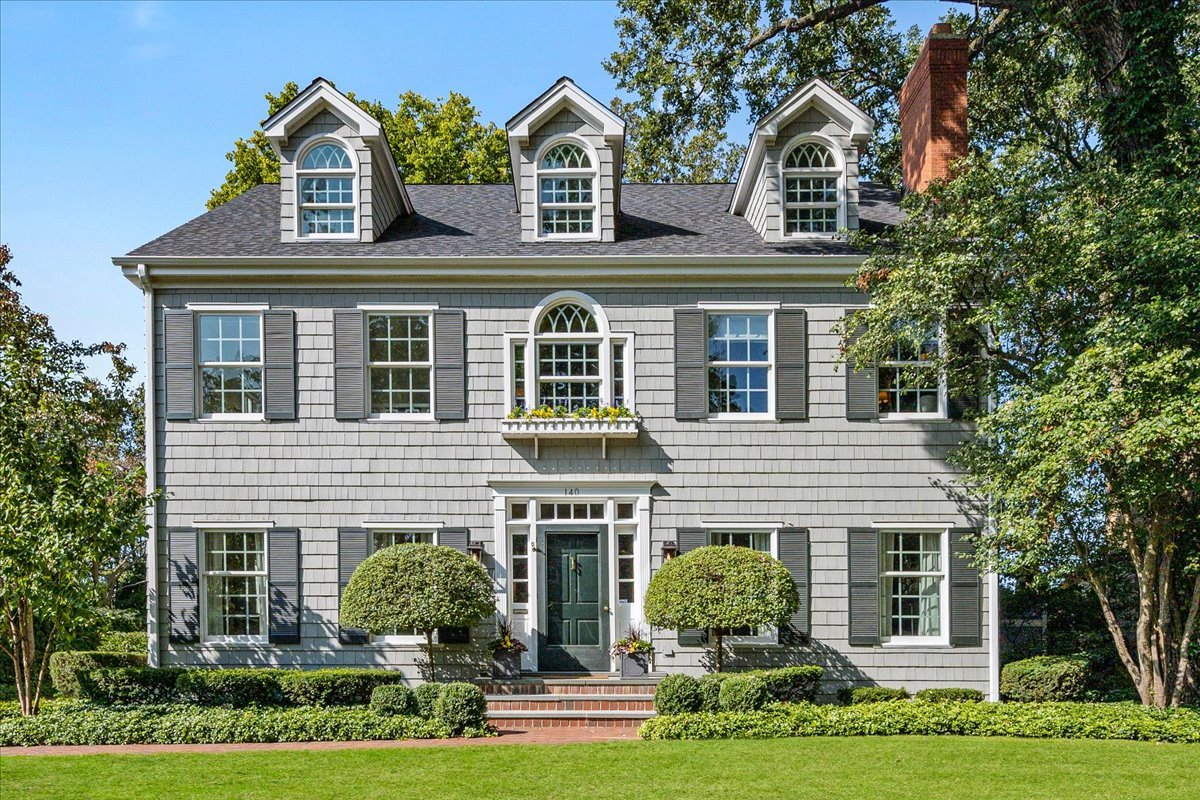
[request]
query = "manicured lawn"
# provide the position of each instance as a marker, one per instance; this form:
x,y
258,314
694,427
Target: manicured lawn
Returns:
x,y
829,769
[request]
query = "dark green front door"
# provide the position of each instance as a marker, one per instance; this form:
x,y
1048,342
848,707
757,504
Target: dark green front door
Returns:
x,y
576,628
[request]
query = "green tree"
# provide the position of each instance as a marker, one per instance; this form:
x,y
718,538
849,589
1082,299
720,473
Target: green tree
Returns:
x,y
433,141
721,589
71,492
421,586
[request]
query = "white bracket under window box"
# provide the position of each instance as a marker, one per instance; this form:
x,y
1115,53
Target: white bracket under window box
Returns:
x,y
569,428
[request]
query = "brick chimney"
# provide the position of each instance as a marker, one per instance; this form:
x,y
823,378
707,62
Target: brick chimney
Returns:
x,y
933,109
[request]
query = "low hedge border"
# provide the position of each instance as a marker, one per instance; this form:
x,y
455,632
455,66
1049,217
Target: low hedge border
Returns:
x,y
81,724
69,668
234,687
1025,720
682,694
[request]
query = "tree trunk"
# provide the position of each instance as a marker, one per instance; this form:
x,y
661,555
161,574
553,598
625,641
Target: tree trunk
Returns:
x,y
719,635
429,652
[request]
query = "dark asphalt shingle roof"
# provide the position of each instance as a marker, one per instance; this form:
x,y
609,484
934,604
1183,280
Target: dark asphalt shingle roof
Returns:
x,y
482,220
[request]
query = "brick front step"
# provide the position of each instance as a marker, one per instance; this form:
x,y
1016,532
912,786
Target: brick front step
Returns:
x,y
629,720
537,703
569,686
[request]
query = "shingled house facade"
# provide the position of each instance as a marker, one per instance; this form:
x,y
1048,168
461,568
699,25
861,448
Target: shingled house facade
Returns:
x,y
336,360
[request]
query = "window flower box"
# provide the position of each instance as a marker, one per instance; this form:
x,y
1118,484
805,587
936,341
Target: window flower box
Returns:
x,y
544,423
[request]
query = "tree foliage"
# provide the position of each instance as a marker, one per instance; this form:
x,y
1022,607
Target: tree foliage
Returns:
x,y
71,485
433,141
720,589
417,586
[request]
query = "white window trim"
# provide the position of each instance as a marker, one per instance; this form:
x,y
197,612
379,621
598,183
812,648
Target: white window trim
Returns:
x,y
839,172
767,634
298,173
943,638
594,174
943,394
398,311
604,337
245,310
382,526
768,309
265,572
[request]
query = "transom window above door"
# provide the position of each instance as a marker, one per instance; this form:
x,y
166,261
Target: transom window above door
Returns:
x,y
566,192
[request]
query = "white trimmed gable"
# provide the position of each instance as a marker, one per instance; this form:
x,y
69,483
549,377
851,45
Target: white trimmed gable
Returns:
x,y
321,114
565,114
815,113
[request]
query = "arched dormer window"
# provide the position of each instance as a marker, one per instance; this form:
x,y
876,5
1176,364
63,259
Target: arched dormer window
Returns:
x,y
326,192
566,192
570,359
812,190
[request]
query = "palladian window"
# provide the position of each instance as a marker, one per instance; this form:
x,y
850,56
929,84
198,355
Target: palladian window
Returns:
x,y
325,184
811,190
566,191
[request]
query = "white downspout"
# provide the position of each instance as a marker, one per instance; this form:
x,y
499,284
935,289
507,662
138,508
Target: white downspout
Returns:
x,y
152,605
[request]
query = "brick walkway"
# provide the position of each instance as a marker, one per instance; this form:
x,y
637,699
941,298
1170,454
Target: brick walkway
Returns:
x,y
540,736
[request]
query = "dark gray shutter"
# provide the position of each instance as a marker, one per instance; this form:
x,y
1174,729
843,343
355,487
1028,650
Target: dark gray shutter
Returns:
x,y
794,553
862,388
863,565
179,357
449,365
349,368
283,585
459,539
791,363
279,365
691,364
966,617
353,546
183,584
686,540
965,401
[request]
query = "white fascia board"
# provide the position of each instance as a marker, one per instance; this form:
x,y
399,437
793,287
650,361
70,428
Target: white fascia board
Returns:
x,y
567,95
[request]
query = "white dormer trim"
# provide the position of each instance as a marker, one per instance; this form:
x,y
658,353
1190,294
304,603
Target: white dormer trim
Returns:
x,y
816,93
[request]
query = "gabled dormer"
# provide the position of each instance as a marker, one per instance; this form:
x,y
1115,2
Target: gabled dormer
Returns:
x,y
566,150
799,179
337,178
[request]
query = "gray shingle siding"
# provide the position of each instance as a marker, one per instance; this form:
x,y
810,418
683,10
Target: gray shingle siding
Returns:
x,y
319,474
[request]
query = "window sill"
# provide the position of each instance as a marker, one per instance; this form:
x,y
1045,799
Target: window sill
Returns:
x,y
915,418
915,644
236,644
735,417
393,418
231,418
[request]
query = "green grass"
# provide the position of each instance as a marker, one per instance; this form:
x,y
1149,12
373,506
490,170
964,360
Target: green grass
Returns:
x,y
829,769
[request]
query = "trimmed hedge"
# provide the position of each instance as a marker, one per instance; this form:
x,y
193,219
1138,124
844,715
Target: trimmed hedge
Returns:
x,y
460,707
393,700
684,694
949,695
1045,678
743,693
853,695
230,687
132,685
78,723
68,668
1029,720
334,687
124,642
427,695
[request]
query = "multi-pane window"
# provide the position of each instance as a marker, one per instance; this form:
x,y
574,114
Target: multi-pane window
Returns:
x,y
568,511
326,191
811,202
910,382
913,579
235,584
519,561
230,361
568,368
739,363
398,363
625,566
618,373
755,540
566,191
381,539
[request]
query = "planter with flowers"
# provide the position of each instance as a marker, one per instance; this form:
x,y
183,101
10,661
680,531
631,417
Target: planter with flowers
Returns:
x,y
506,651
635,651
559,422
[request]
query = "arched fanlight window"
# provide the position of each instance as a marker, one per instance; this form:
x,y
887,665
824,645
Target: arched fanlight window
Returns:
x,y
566,191
326,191
567,318
811,190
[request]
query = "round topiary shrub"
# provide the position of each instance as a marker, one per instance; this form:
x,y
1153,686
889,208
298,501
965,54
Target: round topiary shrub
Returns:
x,y
426,696
743,693
393,700
461,706
719,589
1044,679
420,586
677,694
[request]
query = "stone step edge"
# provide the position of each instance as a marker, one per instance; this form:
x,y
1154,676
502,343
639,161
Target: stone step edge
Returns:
x,y
569,698
554,714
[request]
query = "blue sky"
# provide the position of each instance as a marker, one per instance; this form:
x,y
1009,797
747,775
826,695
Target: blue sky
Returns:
x,y
115,117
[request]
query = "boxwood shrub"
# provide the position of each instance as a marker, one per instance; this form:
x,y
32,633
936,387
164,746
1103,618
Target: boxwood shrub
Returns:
x,y
124,642
742,693
132,685
80,723
333,687
1045,678
69,667
683,694
461,706
1031,720
854,695
427,695
679,694
393,700
230,687
949,695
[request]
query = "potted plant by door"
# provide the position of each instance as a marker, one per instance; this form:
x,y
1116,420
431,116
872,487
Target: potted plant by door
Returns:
x,y
635,651
506,651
